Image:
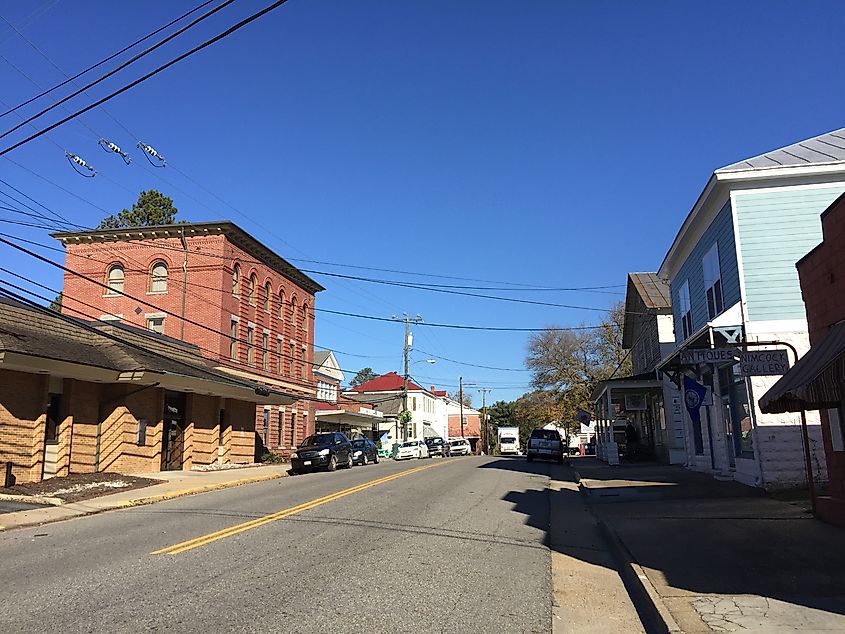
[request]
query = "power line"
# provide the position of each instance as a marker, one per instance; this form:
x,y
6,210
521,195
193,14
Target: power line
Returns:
x,y
148,75
473,365
102,61
120,67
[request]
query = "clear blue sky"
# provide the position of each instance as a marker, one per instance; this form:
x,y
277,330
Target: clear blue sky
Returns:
x,y
547,143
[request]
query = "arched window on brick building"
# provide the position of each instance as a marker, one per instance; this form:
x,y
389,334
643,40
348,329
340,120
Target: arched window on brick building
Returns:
x,y
115,279
158,277
253,282
236,280
266,298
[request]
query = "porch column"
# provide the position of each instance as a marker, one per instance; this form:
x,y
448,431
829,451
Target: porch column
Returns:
x,y
612,456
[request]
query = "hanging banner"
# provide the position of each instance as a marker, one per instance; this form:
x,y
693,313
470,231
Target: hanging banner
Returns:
x,y
694,394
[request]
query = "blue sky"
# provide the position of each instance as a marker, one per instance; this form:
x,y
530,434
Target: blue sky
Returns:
x,y
537,143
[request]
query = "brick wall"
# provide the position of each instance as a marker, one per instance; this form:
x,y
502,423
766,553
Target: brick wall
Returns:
x,y
23,403
822,276
209,301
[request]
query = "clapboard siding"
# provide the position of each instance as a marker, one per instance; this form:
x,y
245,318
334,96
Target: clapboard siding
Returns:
x,y
721,231
776,229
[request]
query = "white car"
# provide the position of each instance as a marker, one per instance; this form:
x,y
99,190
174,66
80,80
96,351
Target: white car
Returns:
x,y
412,449
459,447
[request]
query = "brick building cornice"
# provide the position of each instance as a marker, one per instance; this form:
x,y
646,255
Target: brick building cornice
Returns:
x,y
230,230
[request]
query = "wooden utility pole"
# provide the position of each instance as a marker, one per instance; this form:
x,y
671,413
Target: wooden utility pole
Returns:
x,y
461,401
485,429
407,350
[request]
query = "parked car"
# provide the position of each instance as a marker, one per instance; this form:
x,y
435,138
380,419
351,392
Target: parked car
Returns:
x,y
459,447
364,451
322,451
545,443
436,446
412,449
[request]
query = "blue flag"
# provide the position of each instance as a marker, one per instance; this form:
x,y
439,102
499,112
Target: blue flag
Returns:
x,y
693,397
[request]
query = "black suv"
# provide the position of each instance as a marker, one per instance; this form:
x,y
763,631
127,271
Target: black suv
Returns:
x,y
436,447
322,451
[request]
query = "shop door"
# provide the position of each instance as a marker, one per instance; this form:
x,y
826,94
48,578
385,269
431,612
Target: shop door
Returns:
x,y
173,432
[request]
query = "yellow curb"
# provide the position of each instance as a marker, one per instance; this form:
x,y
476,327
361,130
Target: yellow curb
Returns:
x,y
203,489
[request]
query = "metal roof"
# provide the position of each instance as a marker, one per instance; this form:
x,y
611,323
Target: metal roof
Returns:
x,y
823,149
653,290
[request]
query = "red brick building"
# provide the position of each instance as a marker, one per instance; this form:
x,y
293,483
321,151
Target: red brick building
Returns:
x,y
817,381
213,285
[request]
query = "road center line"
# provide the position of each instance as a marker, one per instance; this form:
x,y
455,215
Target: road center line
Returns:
x,y
203,540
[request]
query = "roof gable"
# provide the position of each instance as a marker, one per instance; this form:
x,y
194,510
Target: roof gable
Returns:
x,y
820,150
390,382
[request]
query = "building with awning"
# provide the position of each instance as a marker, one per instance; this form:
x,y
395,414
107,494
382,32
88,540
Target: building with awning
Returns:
x,y
353,419
817,380
84,397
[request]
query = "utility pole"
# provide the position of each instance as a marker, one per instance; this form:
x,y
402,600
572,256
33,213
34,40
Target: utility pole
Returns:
x,y
485,434
407,349
461,401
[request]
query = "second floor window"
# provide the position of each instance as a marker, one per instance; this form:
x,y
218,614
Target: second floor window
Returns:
x,y
158,278
116,278
265,350
250,347
685,310
279,355
233,340
713,282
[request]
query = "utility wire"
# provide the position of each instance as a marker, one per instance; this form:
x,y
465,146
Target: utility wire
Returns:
x,y
102,61
120,67
148,75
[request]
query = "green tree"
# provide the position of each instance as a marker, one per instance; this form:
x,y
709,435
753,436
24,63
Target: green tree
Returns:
x,y
56,304
363,375
151,208
502,414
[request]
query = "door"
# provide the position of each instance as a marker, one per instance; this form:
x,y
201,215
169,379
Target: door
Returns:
x,y
172,442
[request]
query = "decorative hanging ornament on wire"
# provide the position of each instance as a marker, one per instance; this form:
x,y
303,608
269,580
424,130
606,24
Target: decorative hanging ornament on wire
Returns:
x,y
155,159
108,146
80,166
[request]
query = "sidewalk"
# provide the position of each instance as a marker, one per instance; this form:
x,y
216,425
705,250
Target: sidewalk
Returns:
x,y
174,484
711,556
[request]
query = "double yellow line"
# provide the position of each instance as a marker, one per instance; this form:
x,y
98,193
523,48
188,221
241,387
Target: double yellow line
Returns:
x,y
203,540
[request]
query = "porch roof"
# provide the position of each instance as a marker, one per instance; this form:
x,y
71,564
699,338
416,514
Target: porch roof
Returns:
x,y
816,381
644,381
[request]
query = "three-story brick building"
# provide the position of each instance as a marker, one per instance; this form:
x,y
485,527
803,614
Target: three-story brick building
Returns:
x,y
214,285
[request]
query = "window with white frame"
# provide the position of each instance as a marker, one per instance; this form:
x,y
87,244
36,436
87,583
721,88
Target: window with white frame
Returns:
x,y
713,281
116,277
155,323
158,278
250,344
233,339
265,350
685,310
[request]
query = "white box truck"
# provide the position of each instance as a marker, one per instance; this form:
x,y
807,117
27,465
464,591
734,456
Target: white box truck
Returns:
x,y
509,440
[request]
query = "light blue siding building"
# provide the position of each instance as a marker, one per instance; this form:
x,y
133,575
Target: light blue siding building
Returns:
x,y
731,271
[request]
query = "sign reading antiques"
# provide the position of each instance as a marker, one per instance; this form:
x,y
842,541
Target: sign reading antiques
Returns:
x,y
751,362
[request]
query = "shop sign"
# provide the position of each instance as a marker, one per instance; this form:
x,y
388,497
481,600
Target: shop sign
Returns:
x,y
763,362
692,356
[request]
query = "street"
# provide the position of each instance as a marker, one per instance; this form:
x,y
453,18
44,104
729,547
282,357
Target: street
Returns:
x,y
454,545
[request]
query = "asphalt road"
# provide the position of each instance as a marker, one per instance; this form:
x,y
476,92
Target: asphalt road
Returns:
x,y
458,546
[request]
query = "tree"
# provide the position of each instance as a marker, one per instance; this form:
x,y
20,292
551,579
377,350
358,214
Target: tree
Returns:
x,y
567,365
56,304
151,208
456,396
363,375
502,414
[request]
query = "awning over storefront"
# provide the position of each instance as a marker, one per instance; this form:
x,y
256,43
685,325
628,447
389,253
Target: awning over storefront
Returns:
x,y
816,381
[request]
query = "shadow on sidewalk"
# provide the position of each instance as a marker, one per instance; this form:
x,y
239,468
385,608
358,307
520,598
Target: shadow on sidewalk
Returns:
x,y
694,534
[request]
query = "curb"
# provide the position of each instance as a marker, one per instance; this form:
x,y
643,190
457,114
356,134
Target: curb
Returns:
x,y
144,501
31,499
196,490
646,599
655,615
